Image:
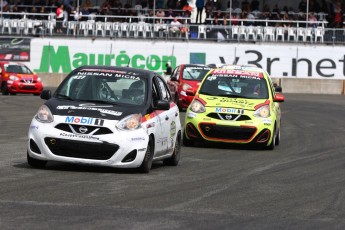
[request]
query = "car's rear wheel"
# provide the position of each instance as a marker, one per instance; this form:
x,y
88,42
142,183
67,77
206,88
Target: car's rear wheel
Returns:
x,y
4,89
147,162
175,158
34,162
187,142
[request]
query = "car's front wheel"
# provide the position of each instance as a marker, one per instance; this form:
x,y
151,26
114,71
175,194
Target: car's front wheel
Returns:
x,y
34,162
187,142
175,158
4,89
278,137
147,162
273,142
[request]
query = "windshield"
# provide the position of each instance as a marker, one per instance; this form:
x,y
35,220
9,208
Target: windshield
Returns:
x,y
195,73
104,86
12,68
231,83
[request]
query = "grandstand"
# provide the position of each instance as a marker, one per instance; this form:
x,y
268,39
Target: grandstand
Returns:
x,y
227,21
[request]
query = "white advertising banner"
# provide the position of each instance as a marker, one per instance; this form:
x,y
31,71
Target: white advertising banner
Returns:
x,y
285,60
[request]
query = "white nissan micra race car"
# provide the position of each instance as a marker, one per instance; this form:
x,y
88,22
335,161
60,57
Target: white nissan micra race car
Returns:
x,y
107,116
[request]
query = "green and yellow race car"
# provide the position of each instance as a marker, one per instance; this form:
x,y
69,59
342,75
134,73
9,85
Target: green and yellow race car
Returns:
x,y
235,104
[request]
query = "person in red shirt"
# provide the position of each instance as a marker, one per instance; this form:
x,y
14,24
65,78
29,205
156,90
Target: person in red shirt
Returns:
x,y
59,18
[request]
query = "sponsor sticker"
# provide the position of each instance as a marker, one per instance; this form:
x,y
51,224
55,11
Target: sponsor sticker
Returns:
x,y
105,111
84,120
229,110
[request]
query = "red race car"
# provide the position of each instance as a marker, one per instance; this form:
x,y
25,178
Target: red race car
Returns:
x,y
18,78
184,77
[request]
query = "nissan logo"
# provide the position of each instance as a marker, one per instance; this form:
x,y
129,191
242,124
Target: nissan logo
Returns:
x,y
82,129
228,117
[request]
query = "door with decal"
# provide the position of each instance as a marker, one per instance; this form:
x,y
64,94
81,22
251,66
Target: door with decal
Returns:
x,y
166,119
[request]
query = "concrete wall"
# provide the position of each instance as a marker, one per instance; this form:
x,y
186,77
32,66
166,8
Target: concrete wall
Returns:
x,y
289,85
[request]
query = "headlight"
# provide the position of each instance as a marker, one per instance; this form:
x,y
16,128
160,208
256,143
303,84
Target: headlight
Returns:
x,y
38,79
130,122
185,87
197,107
14,78
44,115
263,111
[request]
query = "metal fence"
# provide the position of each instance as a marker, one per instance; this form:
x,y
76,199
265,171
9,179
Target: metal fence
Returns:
x,y
115,27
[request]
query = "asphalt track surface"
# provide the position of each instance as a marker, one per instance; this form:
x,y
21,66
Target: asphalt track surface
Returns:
x,y
299,185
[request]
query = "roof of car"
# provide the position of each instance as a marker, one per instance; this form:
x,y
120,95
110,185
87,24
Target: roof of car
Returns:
x,y
195,65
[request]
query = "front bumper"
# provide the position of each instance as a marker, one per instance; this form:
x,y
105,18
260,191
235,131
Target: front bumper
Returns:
x,y
123,149
201,128
20,87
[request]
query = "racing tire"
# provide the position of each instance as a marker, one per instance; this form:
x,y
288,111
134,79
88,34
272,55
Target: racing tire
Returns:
x,y
4,89
175,158
278,137
187,142
177,102
146,165
34,162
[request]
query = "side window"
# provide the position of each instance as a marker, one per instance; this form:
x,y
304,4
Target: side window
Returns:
x,y
177,73
164,92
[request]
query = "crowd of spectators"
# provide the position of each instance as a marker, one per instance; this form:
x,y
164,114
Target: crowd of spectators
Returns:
x,y
216,13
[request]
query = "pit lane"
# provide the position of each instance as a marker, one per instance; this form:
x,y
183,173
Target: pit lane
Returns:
x,y
299,185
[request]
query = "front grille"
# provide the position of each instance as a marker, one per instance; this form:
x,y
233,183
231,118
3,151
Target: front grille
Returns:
x,y
81,149
92,130
28,87
243,133
229,117
28,80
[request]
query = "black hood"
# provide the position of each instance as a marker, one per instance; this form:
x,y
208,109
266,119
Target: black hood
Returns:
x,y
96,110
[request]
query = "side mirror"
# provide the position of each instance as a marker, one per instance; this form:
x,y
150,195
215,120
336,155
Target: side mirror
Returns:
x,y
279,98
278,89
162,105
190,92
46,94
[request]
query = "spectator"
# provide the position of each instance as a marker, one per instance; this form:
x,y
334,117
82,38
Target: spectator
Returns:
x,y
160,13
175,27
209,9
187,10
59,18
336,10
77,14
168,69
184,29
200,4
170,13
312,20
